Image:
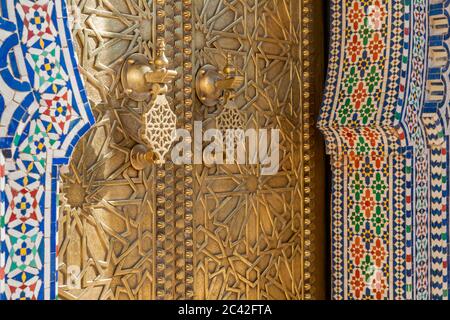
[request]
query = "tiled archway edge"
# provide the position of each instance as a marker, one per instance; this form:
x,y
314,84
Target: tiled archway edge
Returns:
x,y
44,111
385,117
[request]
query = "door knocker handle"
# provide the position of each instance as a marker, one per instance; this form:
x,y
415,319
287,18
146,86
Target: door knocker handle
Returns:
x,y
216,88
213,86
147,81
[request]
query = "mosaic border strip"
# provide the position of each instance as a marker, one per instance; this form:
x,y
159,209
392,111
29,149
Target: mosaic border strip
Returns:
x,y
412,116
45,112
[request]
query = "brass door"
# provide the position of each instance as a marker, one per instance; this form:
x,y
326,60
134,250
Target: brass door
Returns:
x,y
195,231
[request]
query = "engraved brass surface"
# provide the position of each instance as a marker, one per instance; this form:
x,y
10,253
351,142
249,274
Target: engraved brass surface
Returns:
x,y
253,232
106,220
194,231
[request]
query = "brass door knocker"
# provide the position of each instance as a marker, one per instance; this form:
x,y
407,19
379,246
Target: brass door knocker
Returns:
x,y
216,88
213,86
143,81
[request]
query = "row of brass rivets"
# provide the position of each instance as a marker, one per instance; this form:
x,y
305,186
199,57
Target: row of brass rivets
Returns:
x,y
160,219
188,181
307,166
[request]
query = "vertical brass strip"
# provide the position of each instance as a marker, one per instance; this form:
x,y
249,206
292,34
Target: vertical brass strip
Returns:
x,y
161,197
187,18
170,180
307,164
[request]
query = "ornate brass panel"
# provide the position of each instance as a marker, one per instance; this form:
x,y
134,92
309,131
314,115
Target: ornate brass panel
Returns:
x,y
176,232
107,215
252,232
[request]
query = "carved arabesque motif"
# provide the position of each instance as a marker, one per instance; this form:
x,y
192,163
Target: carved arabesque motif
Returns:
x,y
175,232
107,212
106,219
250,229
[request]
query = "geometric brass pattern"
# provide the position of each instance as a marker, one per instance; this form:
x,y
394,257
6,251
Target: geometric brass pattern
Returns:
x,y
105,225
193,231
250,230
107,212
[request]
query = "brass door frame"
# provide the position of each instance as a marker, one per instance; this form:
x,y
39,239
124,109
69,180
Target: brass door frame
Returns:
x,y
168,192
